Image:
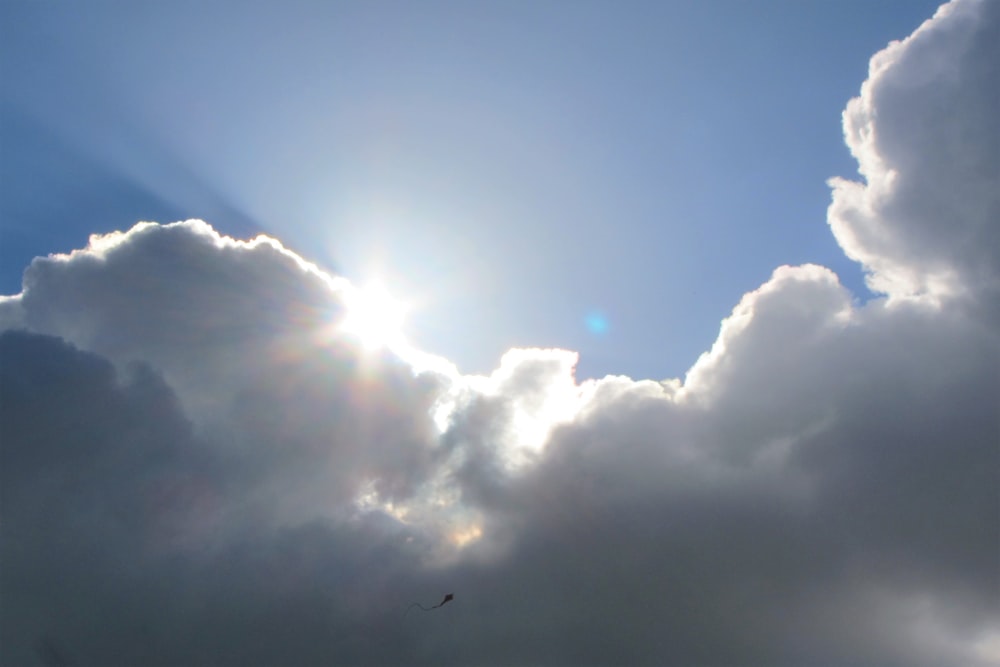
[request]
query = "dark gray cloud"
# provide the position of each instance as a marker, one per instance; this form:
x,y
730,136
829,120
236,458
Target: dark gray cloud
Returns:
x,y
199,468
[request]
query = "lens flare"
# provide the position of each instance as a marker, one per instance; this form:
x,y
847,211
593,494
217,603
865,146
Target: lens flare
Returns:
x,y
597,323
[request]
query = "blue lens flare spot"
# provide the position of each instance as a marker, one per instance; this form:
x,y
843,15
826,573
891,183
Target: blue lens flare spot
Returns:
x,y
597,323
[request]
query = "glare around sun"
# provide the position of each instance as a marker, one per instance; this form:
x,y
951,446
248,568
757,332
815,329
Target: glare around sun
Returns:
x,y
374,316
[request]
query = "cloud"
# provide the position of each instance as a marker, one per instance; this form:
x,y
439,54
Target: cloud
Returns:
x,y
199,467
924,133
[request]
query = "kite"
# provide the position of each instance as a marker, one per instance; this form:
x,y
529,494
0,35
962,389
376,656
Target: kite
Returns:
x,y
447,598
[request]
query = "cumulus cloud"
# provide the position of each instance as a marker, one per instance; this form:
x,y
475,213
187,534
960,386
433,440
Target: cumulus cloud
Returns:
x,y
200,467
924,132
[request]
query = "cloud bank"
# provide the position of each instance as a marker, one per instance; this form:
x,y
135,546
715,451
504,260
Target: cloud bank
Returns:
x,y
200,468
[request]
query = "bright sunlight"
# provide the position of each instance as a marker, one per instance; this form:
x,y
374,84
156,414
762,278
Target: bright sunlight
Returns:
x,y
374,317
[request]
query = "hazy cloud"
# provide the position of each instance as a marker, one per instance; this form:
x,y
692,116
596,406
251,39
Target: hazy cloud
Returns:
x,y
199,467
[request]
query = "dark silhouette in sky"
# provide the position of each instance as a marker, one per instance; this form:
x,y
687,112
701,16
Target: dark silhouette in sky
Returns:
x,y
447,598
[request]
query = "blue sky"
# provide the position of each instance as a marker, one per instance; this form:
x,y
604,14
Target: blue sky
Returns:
x,y
517,170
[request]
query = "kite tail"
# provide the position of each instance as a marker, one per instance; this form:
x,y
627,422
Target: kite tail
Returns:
x,y
416,604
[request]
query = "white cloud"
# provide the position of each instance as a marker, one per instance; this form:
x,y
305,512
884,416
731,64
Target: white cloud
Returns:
x,y
924,132
198,467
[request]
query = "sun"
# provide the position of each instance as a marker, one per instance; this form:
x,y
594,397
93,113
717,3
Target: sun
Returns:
x,y
374,317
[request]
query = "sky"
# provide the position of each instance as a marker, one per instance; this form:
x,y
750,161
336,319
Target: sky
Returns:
x,y
700,363
516,170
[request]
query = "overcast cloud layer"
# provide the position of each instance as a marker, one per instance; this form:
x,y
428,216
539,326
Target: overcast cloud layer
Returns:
x,y
199,468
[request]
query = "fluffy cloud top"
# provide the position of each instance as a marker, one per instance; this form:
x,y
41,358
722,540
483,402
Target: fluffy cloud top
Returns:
x,y
200,467
924,132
